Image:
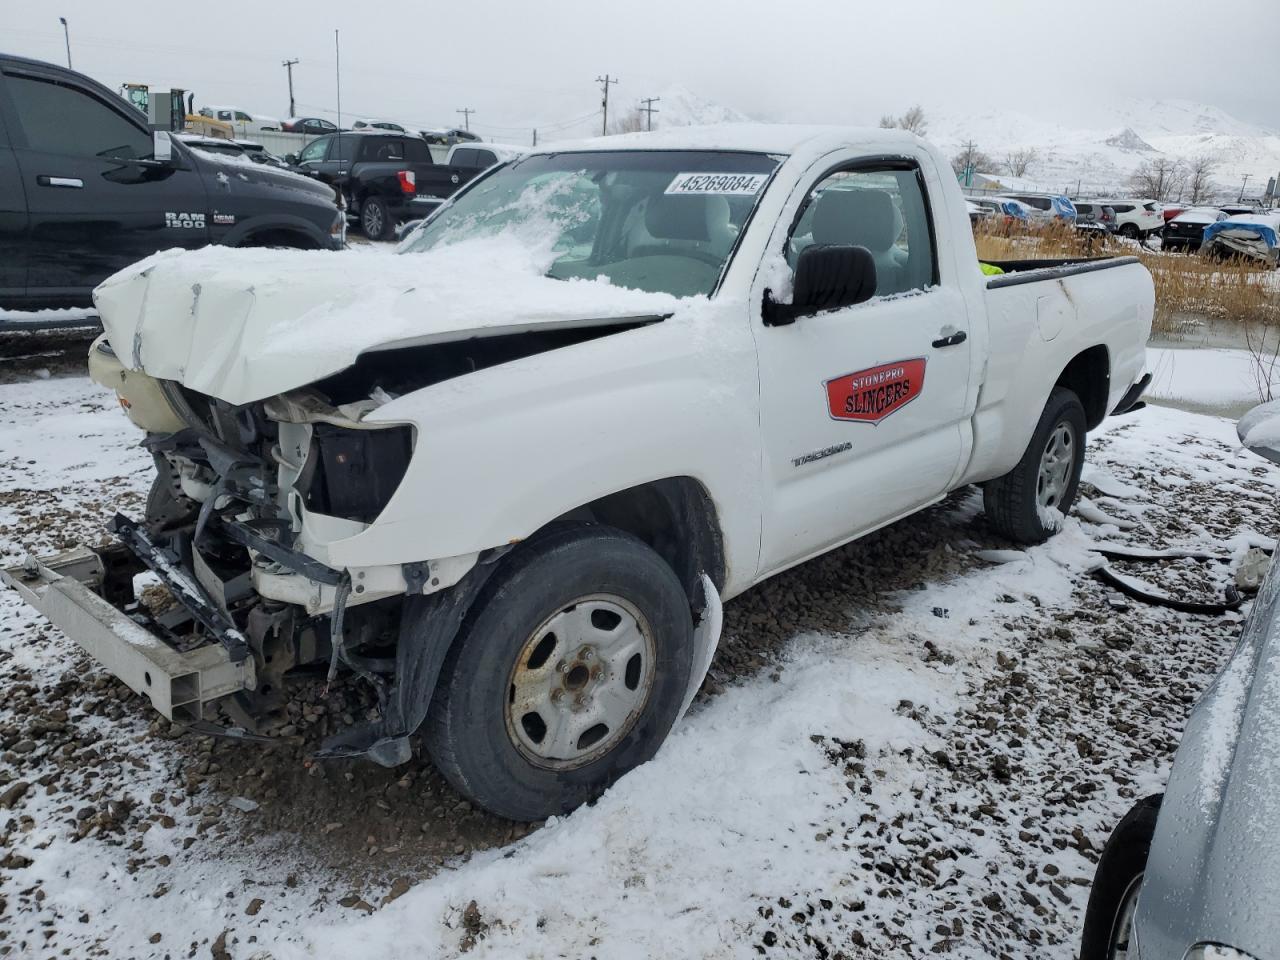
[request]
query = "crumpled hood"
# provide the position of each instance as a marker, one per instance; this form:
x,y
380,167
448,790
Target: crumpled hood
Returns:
x,y
243,325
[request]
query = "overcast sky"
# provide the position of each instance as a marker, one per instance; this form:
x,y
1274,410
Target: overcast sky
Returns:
x,y
519,63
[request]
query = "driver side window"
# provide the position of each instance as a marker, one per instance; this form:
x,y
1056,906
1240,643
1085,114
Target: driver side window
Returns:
x,y
314,150
883,210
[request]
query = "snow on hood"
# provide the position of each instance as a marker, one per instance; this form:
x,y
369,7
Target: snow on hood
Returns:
x,y
243,325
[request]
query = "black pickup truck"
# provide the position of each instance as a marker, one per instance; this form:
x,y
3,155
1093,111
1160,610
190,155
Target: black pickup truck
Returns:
x,y
87,189
386,178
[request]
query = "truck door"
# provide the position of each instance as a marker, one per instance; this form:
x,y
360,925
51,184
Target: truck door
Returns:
x,y
313,159
865,408
13,220
91,211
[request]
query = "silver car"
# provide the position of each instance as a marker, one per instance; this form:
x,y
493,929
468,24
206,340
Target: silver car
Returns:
x,y
1195,874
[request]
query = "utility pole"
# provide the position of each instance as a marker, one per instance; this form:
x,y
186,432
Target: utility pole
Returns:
x,y
535,136
466,117
1242,186
648,108
66,33
605,81
288,65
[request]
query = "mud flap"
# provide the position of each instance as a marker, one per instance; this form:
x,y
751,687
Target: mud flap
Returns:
x,y
706,638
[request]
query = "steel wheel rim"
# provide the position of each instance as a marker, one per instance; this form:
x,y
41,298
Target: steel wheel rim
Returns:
x,y
580,682
1057,461
1122,929
372,220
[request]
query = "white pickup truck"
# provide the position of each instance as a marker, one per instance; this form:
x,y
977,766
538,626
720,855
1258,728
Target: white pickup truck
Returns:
x,y
507,474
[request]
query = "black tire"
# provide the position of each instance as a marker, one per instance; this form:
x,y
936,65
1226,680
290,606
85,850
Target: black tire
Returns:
x,y
1011,502
376,220
1118,878
1130,231
467,733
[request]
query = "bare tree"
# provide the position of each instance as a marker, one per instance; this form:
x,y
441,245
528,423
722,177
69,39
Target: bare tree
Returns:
x,y
913,121
971,156
1200,171
1160,178
1018,162
1263,342
630,122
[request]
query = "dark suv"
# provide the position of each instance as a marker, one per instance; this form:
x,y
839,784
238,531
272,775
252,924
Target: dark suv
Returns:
x,y
86,189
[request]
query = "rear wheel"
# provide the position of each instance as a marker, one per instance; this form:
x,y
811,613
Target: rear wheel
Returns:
x,y
375,219
1129,231
568,673
1117,883
1028,503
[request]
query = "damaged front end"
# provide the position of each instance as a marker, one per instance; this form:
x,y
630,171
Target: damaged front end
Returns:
x,y
223,589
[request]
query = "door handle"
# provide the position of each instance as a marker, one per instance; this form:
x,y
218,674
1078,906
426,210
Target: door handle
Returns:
x,y
951,340
46,181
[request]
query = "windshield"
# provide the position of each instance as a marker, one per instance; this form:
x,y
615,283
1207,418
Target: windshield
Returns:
x,y
658,221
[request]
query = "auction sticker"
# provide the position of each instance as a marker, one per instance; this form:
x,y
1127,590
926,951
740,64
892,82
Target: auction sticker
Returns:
x,y
733,184
868,396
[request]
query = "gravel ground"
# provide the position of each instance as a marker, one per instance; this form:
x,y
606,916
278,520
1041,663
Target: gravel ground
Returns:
x,y
990,856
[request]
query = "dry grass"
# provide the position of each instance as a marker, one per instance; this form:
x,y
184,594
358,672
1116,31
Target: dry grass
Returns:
x,y
1187,285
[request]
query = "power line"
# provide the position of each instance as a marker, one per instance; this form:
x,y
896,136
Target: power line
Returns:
x,y
288,65
649,109
605,80
466,117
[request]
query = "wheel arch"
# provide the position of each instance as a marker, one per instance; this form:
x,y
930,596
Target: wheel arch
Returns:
x,y
1088,376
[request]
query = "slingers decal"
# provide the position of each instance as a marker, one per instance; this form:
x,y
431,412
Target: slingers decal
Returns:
x,y
868,396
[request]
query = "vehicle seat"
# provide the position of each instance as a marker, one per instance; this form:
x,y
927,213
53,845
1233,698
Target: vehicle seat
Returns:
x,y
674,224
863,218
388,152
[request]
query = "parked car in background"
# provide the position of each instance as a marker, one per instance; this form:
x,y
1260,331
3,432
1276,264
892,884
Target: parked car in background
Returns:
x,y
1235,209
1186,230
241,120
385,178
1192,874
977,212
232,148
1171,210
449,137
366,125
314,126
1136,219
96,190
1255,236
1046,207
1091,215
1011,211
470,156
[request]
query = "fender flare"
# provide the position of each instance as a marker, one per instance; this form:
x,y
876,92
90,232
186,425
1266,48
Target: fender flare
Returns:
x,y
245,229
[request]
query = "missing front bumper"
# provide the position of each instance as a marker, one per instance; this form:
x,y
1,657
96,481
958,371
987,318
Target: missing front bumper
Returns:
x,y
177,683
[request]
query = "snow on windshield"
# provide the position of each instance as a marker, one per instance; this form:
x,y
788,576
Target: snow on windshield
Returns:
x,y
657,221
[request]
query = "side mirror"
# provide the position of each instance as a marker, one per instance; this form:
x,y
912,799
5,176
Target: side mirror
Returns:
x,y
827,278
291,159
1259,430
161,146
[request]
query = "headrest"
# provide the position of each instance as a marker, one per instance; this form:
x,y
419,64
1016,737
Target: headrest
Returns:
x,y
677,218
865,218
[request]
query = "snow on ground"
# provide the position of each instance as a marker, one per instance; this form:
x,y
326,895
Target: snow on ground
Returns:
x,y
912,746
1218,380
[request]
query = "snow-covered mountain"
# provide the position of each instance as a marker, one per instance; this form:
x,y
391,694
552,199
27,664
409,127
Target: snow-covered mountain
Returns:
x,y
1102,156
679,106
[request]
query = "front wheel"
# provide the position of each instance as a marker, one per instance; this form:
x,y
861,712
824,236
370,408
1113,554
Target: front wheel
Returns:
x,y
569,672
1117,883
1028,503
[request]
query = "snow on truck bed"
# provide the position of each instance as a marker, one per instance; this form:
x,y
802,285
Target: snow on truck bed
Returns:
x,y
916,743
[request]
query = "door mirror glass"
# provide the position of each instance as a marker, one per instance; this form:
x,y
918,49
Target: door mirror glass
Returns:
x,y
291,159
161,146
827,278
